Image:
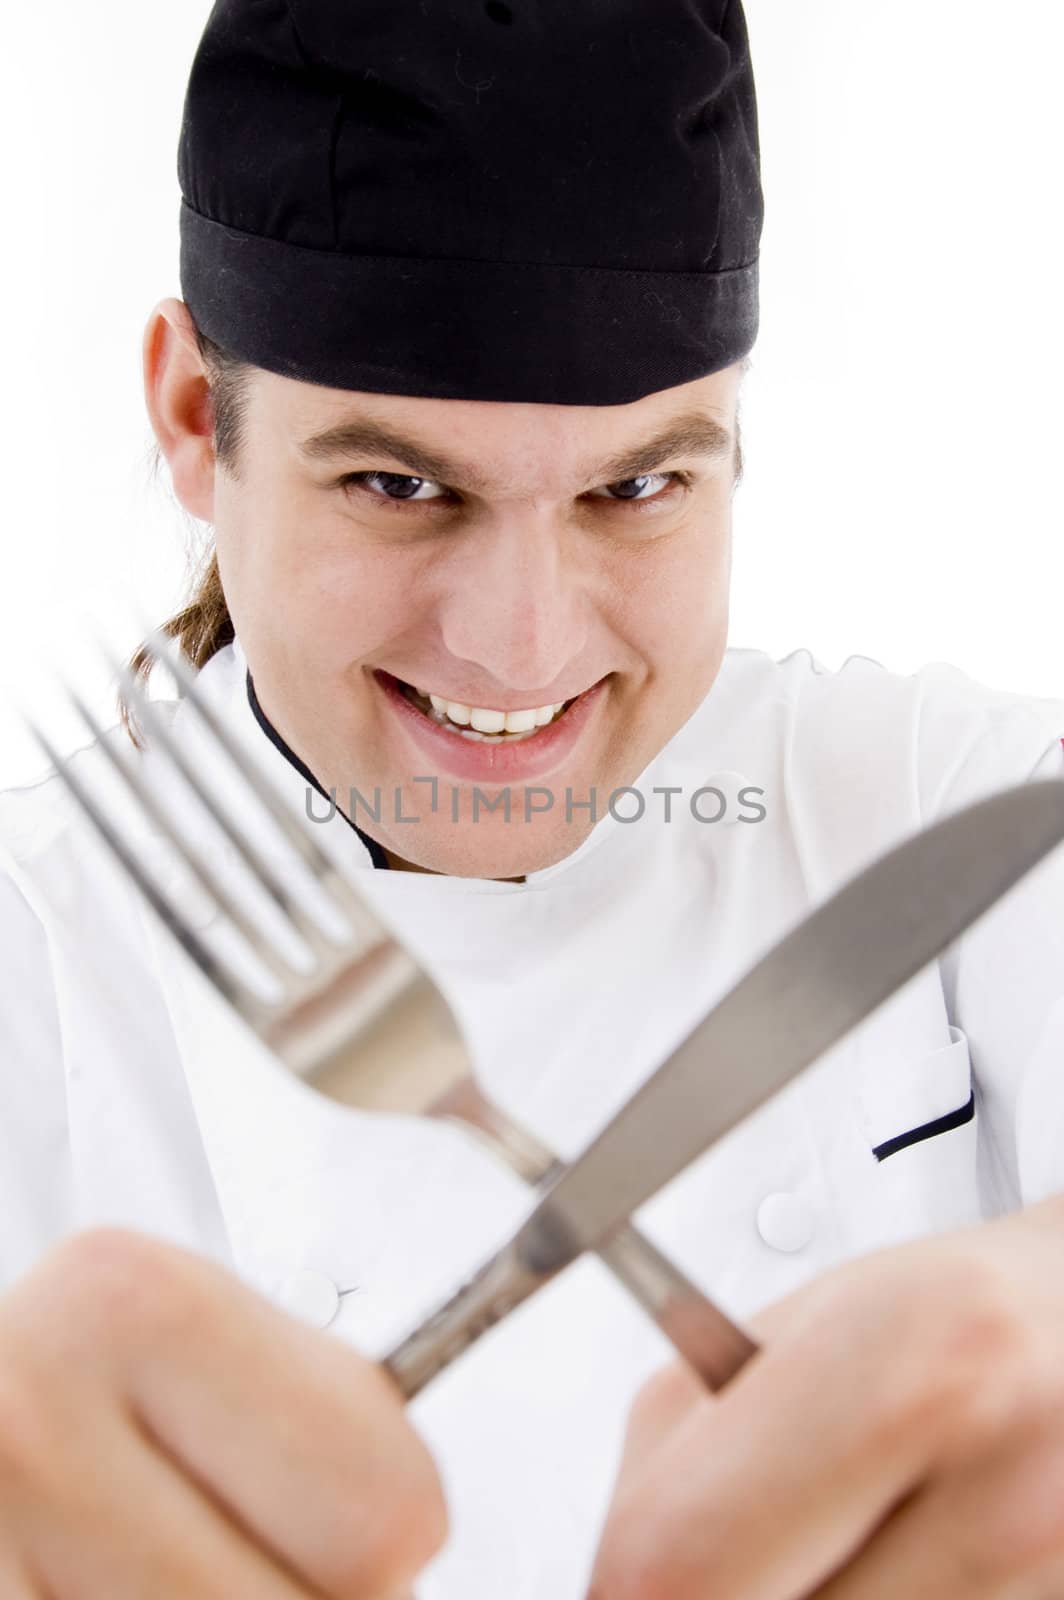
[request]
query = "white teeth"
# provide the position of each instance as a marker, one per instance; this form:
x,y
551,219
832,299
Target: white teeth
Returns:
x,y
484,720
450,708
487,721
546,712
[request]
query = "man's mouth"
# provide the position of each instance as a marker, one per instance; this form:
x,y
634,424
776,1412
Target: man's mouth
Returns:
x,y
480,724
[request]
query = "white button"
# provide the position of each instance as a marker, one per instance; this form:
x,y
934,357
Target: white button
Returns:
x,y
785,1221
310,1295
729,783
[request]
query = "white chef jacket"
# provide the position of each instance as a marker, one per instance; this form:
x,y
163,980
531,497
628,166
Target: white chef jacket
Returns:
x,y
131,1096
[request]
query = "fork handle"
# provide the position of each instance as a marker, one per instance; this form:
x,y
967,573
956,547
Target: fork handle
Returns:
x,y
499,1287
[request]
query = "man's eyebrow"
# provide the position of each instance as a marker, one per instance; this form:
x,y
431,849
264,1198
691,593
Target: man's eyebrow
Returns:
x,y
695,433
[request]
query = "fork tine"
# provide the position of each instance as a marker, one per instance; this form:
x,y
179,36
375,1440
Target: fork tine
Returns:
x,y
201,870
250,854
218,972
325,872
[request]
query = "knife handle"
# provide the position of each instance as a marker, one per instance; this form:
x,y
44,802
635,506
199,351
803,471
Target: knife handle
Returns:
x,y
710,1343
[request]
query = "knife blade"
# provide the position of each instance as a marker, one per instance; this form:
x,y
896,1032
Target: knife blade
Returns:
x,y
816,984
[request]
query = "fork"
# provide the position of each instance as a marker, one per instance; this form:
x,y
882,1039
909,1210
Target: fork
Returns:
x,y
367,1026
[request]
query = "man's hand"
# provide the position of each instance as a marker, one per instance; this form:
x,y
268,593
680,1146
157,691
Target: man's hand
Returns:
x,y
900,1437
164,1431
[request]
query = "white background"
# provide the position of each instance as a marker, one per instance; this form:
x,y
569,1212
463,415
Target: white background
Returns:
x,y
902,422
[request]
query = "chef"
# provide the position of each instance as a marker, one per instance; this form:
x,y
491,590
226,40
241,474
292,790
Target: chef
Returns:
x,y
467,294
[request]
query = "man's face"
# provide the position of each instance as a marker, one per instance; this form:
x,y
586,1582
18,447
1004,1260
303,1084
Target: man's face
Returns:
x,y
501,557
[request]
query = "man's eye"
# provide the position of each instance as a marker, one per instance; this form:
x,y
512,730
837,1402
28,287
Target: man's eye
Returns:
x,y
407,488
638,484
399,487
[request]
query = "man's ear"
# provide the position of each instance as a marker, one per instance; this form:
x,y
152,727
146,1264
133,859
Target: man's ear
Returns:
x,y
178,399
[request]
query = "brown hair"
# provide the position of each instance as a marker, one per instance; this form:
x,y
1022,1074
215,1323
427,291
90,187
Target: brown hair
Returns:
x,y
204,626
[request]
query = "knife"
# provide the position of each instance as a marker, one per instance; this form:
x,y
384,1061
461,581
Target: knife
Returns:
x,y
820,980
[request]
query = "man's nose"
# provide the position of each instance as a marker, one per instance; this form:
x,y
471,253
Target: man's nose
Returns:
x,y
516,605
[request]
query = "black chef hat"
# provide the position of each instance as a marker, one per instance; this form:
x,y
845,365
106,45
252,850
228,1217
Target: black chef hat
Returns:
x,y
523,200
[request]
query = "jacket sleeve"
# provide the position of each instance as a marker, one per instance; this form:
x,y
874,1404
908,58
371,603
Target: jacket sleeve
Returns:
x,y
1004,979
35,1166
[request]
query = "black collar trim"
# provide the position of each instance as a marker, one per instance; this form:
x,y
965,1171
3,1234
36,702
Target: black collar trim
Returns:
x,y
377,855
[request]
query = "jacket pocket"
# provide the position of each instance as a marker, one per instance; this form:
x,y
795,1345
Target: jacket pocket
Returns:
x,y
909,1101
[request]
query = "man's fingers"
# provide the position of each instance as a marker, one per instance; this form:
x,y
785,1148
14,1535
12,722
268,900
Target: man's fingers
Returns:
x,y
301,1473
993,1531
901,1432
300,1440
659,1408
17,1584
830,1457
179,1542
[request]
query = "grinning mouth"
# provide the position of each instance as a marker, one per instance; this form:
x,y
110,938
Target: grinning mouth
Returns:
x,y
442,720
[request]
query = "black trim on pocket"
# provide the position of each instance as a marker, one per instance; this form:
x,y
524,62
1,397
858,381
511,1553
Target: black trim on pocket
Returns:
x,y
927,1130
